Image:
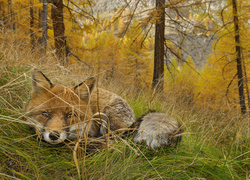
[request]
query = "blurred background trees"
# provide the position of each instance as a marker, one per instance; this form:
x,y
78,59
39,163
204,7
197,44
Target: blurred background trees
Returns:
x,y
204,45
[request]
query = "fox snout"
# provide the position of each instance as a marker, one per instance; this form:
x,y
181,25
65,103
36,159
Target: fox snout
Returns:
x,y
54,137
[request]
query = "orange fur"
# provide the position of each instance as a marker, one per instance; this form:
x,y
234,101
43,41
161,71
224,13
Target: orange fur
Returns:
x,y
59,113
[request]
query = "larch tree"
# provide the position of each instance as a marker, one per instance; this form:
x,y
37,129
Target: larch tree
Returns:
x,y
184,28
32,36
44,30
11,19
59,31
238,57
227,69
158,77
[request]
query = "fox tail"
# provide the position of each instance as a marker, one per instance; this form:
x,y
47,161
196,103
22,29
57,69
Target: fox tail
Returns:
x,y
157,129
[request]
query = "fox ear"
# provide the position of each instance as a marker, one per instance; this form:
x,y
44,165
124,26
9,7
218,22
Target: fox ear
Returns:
x,y
39,81
85,88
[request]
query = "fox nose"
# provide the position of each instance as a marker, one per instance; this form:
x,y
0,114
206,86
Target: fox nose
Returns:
x,y
54,135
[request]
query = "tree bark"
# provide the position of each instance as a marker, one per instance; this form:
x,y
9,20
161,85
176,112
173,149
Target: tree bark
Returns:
x,y
238,58
32,40
59,31
158,77
2,13
246,80
11,22
44,30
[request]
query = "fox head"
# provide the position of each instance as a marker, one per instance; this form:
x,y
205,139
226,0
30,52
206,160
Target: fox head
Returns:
x,y
60,113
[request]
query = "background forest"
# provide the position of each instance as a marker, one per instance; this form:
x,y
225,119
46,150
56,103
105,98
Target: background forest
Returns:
x,y
204,57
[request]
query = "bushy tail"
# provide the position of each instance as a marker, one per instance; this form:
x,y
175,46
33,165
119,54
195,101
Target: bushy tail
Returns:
x,y
157,129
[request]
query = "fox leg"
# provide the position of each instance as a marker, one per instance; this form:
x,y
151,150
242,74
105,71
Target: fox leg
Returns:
x,y
119,115
101,120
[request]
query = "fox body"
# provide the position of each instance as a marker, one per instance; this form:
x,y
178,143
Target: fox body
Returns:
x,y
60,113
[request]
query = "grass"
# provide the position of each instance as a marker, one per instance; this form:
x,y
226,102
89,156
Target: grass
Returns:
x,y
214,146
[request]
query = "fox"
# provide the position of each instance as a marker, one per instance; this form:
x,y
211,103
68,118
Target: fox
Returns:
x,y
61,113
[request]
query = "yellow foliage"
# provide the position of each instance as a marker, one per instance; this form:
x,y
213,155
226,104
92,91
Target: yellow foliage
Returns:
x,y
218,88
181,81
127,57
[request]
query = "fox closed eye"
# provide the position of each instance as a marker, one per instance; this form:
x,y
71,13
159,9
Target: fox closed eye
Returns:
x,y
45,114
70,115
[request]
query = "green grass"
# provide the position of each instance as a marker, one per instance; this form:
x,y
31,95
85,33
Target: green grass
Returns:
x,y
28,158
209,150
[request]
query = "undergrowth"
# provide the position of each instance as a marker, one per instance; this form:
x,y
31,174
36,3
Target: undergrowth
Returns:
x,y
214,145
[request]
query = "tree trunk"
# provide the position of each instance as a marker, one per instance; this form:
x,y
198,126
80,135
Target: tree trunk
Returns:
x,y
2,15
158,77
59,31
238,58
246,80
44,31
32,40
11,21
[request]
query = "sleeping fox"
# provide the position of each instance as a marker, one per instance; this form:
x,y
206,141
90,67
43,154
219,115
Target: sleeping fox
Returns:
x,y
59,113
